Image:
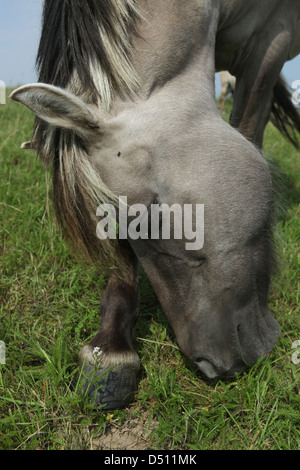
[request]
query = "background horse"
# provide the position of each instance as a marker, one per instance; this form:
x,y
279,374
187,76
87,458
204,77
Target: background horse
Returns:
x,y
253,41
121,113
227,87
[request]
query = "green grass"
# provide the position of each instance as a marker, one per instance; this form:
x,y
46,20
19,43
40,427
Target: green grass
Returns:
x,y
50,308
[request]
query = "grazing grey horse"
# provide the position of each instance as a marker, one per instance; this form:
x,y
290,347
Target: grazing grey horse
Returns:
x,y
227,86
125,107
254,40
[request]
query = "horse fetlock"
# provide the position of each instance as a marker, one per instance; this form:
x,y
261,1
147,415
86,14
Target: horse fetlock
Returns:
x,y
96,357
108,380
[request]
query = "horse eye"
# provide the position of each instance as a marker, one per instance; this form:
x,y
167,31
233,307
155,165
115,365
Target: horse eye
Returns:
x,y
197,261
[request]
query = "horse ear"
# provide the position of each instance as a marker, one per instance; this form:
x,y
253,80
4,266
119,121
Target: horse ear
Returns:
x,y
58,107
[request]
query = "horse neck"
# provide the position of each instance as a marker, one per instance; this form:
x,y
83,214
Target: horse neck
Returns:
x,y
175,41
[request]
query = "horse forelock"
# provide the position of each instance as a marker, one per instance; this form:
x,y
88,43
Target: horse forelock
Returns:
x,y
86,47
77,192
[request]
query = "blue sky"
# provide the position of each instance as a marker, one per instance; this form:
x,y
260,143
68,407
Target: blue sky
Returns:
x,y
20,23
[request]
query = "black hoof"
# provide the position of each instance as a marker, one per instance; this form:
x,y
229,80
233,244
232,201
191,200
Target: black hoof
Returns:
x,y
108,389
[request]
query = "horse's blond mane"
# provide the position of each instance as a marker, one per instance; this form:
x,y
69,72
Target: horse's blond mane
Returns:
x,y
85,47
77,192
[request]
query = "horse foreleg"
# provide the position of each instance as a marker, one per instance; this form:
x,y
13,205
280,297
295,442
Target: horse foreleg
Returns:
x,y
109,364
253,95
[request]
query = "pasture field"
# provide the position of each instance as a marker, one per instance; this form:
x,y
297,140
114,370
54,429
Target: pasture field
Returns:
x,y
50,308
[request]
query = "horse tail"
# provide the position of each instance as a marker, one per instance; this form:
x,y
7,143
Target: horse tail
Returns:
x,y
284,114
